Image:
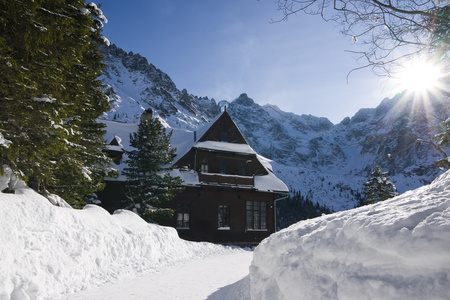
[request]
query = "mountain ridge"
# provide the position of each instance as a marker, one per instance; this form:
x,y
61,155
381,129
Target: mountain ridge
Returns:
x,y
327,161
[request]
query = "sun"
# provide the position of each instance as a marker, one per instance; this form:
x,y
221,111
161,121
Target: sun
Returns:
x,y
417,82
419,76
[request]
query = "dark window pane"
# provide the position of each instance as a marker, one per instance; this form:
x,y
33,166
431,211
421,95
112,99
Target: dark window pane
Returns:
x,y
242,169
183,215
223,166
223,216
256,217
249,222
263,220
224,136
263,206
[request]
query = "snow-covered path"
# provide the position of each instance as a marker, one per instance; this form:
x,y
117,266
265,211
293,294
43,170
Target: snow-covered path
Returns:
x,y
219,277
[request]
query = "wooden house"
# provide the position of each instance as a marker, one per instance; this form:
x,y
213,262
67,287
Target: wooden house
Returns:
x,y
230,191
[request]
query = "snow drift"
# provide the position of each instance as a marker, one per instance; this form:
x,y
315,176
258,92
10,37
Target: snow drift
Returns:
x,y
47,251
397,249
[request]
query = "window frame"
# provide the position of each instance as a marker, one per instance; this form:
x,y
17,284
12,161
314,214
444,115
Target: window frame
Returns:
x,y
242,169
183,211
256,216
223,165
204,166
223,217
224,136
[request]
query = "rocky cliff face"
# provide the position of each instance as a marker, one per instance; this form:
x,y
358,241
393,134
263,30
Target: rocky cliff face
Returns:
x,y
326,161
135,85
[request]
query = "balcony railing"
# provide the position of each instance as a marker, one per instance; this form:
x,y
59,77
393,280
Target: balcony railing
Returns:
x,y
224,179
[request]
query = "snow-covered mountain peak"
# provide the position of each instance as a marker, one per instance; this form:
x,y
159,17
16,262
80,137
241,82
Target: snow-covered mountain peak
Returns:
x,y
135,85
326,161
244,100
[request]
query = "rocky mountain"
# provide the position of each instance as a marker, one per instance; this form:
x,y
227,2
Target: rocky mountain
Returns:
x,y
326,161
134,85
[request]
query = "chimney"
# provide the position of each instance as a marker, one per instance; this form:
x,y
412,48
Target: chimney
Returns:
x,y
195,136
147,115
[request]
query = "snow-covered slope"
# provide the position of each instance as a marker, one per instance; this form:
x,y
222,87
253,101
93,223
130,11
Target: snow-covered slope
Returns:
x,y
136,85
47,251
327,162
396,249
330,162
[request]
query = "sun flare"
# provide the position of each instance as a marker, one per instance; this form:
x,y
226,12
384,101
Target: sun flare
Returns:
x,y
420,76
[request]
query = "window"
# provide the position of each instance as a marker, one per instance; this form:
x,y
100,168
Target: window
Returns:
x,y
223,217
256,215
204,167
223,166
242,169
183,213
224,136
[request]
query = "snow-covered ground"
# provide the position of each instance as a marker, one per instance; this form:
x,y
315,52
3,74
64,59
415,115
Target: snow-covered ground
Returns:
x,y
214,278
397,249
47,252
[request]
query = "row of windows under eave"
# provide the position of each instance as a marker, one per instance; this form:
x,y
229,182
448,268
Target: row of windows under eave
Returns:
x,y
256,216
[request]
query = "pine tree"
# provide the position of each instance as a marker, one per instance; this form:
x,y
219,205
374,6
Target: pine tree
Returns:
x,y
443,140
148,180
50,95
296,208
378,187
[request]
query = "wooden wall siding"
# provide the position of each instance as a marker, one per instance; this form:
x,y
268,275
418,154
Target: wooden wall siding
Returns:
x,y
234,162
204,202
226,179
116,156
224,125
186,161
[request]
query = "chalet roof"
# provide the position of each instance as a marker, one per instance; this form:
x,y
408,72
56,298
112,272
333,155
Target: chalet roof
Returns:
x,y
203,132
115,144
264,183
225,147
183,141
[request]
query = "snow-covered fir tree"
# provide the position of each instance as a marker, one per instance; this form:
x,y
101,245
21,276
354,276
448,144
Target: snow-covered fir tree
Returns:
x,y
148,180
51,97
442,139
378,187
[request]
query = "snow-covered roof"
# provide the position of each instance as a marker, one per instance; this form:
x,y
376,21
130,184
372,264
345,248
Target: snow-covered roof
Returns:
x,y
262,183
270,183
183,141
224,146
115,148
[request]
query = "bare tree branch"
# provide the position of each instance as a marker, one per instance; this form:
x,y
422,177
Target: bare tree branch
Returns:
x,y
393,30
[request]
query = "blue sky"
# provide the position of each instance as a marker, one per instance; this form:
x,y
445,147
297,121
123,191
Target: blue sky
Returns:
x,y
220,49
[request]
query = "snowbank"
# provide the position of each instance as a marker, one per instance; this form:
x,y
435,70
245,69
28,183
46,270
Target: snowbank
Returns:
x,y
47,251
397,249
